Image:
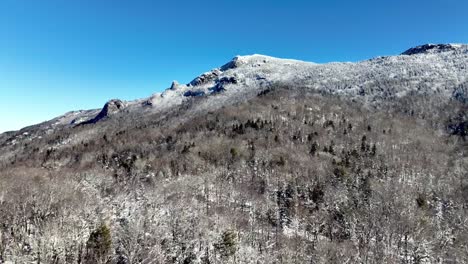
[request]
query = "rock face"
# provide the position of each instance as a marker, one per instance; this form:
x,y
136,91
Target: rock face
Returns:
x,y
176,86
205,78
234,63
110,108
193,93
221,83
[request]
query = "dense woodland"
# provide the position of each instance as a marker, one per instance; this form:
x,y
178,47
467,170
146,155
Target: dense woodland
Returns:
x,y
289,176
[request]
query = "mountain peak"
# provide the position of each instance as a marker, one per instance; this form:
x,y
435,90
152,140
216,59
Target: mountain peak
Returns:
x,y
241,60
254,60
435,48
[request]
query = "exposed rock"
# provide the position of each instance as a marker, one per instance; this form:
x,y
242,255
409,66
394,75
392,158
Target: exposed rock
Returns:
x,y
110,108
221,83
147,102
205,78
227,80
194,93
175,86
234,63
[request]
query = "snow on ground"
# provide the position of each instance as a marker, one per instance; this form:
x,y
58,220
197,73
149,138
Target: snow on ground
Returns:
x,y
430,69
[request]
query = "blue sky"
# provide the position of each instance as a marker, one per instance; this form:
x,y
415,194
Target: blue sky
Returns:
x,y
57,56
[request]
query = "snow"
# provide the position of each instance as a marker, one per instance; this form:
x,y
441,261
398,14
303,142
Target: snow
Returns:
x,y
430,69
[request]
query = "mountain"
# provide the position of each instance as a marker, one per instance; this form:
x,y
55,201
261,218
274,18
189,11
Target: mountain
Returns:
x,y
430,69
262,160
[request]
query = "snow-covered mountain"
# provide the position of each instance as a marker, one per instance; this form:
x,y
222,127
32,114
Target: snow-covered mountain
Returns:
x,y
439,70
262,160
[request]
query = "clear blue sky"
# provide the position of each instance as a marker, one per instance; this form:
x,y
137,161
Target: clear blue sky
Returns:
x,y
57,55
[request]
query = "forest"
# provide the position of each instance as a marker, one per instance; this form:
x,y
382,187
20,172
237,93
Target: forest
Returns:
x,y
289,176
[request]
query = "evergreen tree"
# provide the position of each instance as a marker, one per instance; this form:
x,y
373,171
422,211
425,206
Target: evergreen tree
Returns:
x,y
99,245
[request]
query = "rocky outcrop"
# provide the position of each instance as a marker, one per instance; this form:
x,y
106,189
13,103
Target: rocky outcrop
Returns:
x,y
175,86
221,83
206,78
234,63
110,108
194,93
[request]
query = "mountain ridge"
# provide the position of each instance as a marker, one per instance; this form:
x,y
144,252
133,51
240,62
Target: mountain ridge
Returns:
x,y
257,71
436,48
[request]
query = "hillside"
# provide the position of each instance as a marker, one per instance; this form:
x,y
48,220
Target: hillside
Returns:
x,y
261,160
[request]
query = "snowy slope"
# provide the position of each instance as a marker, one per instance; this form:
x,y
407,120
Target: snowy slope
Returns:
x,y
430,69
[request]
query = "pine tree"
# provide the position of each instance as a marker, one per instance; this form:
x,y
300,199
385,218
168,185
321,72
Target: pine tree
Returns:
x,y
227,246
99,245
